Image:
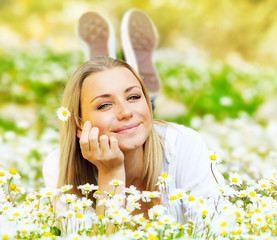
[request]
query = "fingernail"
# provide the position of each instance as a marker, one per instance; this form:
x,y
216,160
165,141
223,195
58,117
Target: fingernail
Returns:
x,y
87,124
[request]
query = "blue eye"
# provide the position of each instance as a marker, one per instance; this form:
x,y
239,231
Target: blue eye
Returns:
x,y
103,106
134,97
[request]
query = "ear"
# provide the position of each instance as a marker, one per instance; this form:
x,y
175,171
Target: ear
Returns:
x,y
79,133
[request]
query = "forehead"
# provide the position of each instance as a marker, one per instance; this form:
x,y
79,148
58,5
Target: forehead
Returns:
x,y
109,81
119,76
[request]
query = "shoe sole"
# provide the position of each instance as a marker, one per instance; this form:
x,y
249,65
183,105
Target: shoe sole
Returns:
x,y
96,35
139,37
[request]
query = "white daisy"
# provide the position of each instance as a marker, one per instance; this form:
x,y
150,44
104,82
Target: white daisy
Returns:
x,y
87,188
63,113
235,179
66,188
215,157
116,182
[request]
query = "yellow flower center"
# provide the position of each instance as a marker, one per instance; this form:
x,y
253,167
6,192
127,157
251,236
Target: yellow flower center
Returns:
x,y
12,186
43,227
252,194
142,219
238,214
213,157
172,198
235,180
5,236
47,234
223,224
204,212
64,113
191,198
164,175
2,174
79,215
12,171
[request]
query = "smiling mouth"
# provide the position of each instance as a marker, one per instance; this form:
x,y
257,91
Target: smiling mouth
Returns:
x,y
128,129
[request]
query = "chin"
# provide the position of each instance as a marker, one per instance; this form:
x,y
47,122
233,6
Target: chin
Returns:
x,y
130,145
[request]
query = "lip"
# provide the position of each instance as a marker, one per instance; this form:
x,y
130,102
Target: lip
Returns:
x,y
127,128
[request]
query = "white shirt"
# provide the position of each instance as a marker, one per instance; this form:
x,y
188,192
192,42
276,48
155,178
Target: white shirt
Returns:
x,y
186,160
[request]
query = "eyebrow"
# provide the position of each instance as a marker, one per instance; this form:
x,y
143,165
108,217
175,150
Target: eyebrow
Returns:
x,y
109,95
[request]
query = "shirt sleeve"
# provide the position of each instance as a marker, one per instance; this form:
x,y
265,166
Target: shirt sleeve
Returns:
x,y
194,170
51,169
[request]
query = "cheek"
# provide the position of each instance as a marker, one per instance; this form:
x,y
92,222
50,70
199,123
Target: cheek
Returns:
x,y
145,112
102,123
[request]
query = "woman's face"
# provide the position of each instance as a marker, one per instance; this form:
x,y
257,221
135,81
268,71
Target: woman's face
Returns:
x,y
113,101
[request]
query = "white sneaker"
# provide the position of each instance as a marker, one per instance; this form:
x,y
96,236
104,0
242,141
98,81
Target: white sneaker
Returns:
x,y
139,39
96,35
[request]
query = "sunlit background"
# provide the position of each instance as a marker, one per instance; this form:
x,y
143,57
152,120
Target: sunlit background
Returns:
x,y
216,60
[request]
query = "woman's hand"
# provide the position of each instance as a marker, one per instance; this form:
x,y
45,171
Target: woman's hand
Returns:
x,y
105,153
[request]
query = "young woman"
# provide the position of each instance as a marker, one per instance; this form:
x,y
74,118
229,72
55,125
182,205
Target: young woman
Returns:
x,y
112,135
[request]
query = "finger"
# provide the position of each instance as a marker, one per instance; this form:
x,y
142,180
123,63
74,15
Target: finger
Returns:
x,y
84,144
104,144
93,139
113,143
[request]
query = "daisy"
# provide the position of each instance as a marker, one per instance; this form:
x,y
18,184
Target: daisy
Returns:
x,y
97,194
66,188
147,196
263,184
215,157
68,198
137,234
167,219
116,183
48,192
235,179
163,181
252,193
63,113
132,190
156,211
86,202
87,188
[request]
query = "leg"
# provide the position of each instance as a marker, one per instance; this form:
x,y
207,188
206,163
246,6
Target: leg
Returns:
x,y
139,39
96,35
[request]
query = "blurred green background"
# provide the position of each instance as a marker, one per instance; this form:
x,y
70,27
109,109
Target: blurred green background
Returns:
x,y
214,57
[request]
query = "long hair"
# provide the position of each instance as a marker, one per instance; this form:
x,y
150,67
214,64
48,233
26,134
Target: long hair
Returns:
x,y
74,169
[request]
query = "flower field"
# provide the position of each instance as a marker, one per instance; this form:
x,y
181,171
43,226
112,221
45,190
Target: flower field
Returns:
x,y
230,103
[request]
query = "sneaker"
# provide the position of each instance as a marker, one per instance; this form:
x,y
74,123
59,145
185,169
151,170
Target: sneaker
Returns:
x,y
139,39
96,35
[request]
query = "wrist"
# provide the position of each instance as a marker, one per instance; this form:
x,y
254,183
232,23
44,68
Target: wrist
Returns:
x,y
116,171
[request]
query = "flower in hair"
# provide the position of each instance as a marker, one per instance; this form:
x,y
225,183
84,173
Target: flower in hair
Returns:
x,y
63,113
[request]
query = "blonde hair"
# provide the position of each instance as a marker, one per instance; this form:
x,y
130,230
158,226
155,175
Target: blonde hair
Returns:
x,y
73,168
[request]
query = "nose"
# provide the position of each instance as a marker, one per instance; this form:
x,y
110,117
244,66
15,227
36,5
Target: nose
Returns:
x,y
124,111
